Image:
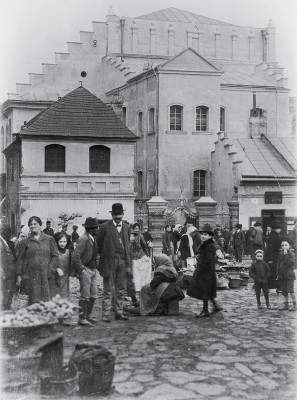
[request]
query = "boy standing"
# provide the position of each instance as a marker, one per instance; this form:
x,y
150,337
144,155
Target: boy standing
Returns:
x,y
286,275
260,272
238,243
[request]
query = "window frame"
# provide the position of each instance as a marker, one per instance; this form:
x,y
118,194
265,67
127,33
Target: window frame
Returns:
x,y
50,163
139,131
224,119
92,163
201,108
151,119
124,114
181,118
198,193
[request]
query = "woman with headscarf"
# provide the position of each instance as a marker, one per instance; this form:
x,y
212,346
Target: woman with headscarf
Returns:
x,y
155,296
188,246
38,261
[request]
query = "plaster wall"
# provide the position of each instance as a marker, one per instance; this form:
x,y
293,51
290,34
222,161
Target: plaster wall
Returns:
x,y
152,37
239,102
182,152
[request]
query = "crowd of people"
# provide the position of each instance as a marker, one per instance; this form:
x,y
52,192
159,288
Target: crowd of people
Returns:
x,y
40,263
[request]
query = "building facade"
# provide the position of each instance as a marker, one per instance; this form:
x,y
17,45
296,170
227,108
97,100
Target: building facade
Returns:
x,y
76,158
176,79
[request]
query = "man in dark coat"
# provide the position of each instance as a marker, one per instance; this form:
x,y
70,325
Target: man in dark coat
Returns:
x,y
203,285
8,267
49,230
238,242
113,247
272,252
167,241
256,237
84,263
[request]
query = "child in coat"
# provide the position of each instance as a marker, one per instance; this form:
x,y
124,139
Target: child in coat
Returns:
x,y
285,274
260,272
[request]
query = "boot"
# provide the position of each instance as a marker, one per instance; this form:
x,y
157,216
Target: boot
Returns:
x,y
293,308
90,305
217,307
204,312
135,302
83,304
285,306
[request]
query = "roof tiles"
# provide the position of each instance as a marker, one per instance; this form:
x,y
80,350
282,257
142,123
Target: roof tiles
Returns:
x,y
79,113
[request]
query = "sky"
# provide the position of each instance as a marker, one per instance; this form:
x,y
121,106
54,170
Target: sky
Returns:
x,y
32,31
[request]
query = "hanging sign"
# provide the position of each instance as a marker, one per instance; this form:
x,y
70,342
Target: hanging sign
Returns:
x,y
273,197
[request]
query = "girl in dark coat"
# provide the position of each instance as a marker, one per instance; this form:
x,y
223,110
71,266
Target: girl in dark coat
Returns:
x,y
271,254
203,285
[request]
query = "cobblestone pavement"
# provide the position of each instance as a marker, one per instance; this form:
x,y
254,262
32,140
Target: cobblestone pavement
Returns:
x,y
239,353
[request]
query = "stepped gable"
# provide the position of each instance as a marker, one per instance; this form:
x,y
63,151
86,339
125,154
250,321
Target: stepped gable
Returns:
x,y
79,114
173,14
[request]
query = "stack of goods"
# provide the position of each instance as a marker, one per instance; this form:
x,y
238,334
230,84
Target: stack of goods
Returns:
x,y
56,308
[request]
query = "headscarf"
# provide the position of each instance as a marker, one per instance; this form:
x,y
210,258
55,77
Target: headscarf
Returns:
x,y
163,264
190,230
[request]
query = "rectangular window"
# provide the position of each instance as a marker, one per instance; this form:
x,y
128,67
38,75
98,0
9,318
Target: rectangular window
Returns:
x,y
201,119
222,120
139,123
176,116
151,120
199,184
124,117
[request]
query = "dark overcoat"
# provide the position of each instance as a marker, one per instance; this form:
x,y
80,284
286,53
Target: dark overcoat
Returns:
x,y
184,247
106,241
38,260
203,284
271,257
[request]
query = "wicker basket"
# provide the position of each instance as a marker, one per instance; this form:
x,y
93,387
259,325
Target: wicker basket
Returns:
x,y
63,384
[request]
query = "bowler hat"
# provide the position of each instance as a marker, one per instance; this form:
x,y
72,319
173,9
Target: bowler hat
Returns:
x,y
239,226
207,229
117,208
91,223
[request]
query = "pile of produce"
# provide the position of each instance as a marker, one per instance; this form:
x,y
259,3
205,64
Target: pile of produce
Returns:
x,y
22,318
56,308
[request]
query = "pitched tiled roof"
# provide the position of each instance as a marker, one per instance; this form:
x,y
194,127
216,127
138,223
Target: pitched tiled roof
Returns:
x,y
175,15
79,113
259,160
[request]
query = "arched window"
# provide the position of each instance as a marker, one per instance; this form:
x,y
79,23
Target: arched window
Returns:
x,y
54,158
139,184
222,119
202,119
199,183
100,159
176,118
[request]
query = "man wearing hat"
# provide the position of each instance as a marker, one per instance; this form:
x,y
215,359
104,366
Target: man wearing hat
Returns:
x,y
256,237
238,242
272,253
84,263
113,247
49,230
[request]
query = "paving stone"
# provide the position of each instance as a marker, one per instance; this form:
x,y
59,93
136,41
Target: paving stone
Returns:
x,y
204,366
129,387
266,382
206,389
217,346
168,392
181,378
243,369
263,367
121,376
149,337
143,378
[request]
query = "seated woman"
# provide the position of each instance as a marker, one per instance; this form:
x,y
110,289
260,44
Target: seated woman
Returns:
x,y
155,296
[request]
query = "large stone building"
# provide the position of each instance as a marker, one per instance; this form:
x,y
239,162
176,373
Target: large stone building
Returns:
x,y
177,79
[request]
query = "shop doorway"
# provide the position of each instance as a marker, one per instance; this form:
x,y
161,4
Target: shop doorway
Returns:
x,y
268,216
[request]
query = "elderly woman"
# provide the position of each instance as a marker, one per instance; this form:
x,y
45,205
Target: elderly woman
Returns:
x,y
38,261
188,246
154,297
